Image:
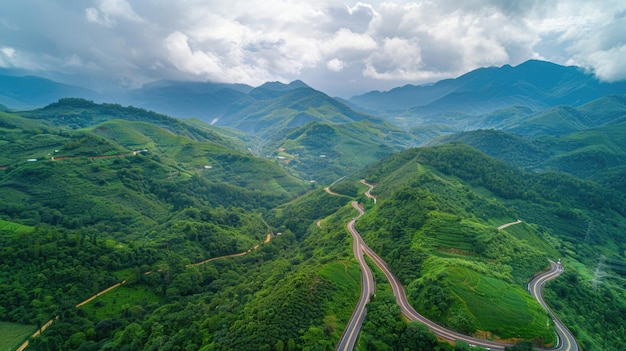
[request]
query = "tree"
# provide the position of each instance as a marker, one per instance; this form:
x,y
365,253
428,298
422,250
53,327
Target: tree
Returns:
x,y
279,346
520,346
416,336
315,340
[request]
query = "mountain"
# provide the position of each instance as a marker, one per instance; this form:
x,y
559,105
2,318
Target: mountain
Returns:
x,y
325,152
27,92
435,223
563,120
74,128
203,100
597,153
533,84
273,107
208,246
77,113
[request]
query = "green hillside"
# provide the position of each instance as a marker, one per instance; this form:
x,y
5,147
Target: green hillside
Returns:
x,y
79,113
325,152
270,109
564,120
435,225
597,153
92,195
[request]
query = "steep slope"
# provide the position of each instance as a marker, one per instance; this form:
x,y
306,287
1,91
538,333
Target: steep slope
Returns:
x,y
532,84
273,107
325,152
30,92
588,141
563,120
179,149
435,224
79,113
203,100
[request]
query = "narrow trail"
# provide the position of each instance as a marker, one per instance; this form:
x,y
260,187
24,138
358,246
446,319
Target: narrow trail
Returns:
x,y
327,189
24,345
267,240
101,293
509,224
39,331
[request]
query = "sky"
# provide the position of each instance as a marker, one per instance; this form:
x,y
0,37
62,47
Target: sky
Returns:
x,y
343,48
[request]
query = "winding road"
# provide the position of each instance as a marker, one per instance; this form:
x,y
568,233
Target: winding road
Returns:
x,y
566,341
368,287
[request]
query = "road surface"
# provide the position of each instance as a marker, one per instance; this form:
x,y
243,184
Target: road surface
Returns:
x,y
509,224
566,341
351,333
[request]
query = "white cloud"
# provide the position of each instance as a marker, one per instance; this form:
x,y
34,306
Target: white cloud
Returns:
x,y
609,65
363,42
208,65
108,10
12,58
8,52
335,65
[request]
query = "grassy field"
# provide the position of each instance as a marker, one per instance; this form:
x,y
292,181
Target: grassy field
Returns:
x,y
14,334
445,231
124,298
346,276
507,310
15,228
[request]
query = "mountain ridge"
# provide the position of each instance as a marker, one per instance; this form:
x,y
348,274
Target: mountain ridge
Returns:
x,y
535,84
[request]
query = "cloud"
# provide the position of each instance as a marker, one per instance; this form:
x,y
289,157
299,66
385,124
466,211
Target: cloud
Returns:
x,y
208,65
359,44
335,65
109,10
12,58
8,52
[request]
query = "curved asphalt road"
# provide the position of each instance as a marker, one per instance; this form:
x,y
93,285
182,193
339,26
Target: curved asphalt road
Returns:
x,y
351,333
567,342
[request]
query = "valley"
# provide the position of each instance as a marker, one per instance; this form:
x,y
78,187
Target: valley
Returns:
x,y
471,200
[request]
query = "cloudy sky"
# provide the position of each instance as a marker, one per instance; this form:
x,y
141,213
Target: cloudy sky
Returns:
x,y
340,47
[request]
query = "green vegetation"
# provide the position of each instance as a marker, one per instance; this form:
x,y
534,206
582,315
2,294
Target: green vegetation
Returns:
x,y
325,152
13,334
435,226
131,192
11,228
122,301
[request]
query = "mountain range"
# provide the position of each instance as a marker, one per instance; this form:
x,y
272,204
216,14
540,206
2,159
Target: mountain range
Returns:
x,y
484,98
536,85
218,211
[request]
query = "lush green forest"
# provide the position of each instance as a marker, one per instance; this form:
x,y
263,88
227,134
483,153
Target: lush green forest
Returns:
x,y
92,195
435,225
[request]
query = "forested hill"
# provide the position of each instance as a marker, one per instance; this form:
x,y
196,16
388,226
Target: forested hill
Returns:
x,y
438,209
75,113
89,200
274,107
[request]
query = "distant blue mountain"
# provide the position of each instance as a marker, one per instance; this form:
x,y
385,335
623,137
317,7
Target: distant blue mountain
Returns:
x,y
534,84
26,92
202,100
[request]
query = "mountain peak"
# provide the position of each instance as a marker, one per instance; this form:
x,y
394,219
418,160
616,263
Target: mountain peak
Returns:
x,y
278,86
534,84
